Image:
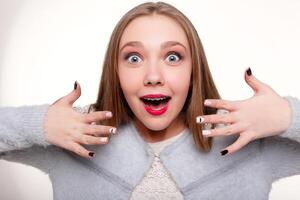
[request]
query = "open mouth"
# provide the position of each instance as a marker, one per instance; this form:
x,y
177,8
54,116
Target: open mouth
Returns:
x,y
155,102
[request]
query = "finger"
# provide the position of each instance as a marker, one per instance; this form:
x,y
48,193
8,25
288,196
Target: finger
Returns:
x,y
224,131
97,116
72,96
216,119
254,83
99,130
80,150
58,100
220,103
91,140
242,141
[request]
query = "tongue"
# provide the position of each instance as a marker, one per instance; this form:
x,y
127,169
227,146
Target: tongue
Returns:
x,y
157,107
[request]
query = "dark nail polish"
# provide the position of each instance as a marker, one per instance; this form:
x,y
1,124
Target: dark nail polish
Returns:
x,y
75,85
91,154
224,152
249,71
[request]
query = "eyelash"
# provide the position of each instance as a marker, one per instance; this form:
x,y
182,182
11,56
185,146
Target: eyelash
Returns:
x,y
175,53
137,54
131,54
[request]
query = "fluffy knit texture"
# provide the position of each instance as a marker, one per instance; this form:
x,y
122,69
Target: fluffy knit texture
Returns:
x,y
120,165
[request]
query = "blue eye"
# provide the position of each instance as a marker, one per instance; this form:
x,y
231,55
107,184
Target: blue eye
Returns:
x,y
174,57
133,58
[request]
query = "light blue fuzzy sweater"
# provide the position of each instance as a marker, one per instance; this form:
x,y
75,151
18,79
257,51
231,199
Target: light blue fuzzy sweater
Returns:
x,y
119,166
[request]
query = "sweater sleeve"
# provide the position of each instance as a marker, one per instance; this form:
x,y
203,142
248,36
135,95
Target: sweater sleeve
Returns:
x,y
282,152
22,137
22,127
293,132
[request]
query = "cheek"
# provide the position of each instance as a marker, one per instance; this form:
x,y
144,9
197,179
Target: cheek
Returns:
x,y
179,81
129,81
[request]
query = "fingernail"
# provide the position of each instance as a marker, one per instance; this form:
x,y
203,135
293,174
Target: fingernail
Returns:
x,y
199,119
206,132
207,102
75,85
108,114
249,71
113,130
224,152
91,154
103,139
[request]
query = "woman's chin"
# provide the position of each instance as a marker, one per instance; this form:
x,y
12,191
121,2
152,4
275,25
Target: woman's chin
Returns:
x,y
156,124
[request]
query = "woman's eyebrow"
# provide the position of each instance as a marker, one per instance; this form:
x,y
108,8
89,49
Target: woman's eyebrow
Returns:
x,y
170,44
162,46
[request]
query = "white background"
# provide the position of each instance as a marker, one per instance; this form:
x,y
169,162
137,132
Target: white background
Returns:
x,y
46,45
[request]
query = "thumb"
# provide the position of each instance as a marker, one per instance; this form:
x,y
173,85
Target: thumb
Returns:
x,y
72,96
253,82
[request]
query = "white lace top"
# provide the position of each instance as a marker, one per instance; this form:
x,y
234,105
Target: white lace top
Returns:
x,y
157,183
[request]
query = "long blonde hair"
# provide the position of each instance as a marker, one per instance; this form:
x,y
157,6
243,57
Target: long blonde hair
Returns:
x,y
110,95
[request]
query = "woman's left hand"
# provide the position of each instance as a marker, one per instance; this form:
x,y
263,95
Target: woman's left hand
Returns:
x,y
265,114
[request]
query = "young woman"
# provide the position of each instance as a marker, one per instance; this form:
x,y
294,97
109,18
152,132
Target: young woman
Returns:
x,y
149,134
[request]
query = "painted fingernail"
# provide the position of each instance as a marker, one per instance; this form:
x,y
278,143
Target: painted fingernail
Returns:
x,y
113,130
103,139
249,72
75,85
206,132
199,119
224,152
91,154
108,114
207,102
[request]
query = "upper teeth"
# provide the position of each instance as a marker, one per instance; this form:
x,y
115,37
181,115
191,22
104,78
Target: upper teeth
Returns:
x,y
155,99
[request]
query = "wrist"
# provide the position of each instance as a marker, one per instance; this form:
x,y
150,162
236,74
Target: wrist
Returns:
x,y
287,114
293,129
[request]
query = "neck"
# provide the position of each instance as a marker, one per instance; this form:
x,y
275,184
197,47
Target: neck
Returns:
x,y
150,136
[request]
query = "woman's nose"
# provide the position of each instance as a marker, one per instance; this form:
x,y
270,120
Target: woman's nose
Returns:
x,y
153,75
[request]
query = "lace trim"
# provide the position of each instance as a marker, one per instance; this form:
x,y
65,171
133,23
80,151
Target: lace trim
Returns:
x,y
157,184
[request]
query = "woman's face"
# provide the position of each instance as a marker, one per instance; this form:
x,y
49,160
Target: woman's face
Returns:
x,y
154,60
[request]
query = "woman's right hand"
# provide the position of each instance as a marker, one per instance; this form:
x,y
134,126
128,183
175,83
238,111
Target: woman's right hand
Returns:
x,y
68,129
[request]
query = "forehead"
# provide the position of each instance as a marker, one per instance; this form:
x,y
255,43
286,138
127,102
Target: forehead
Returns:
x,y
154,30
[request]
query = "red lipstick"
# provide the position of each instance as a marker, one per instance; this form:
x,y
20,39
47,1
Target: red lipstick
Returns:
x,y
156,104
154,96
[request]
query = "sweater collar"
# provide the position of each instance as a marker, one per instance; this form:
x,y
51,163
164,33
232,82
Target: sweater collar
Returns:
x,y
127,158
191,168
147,147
